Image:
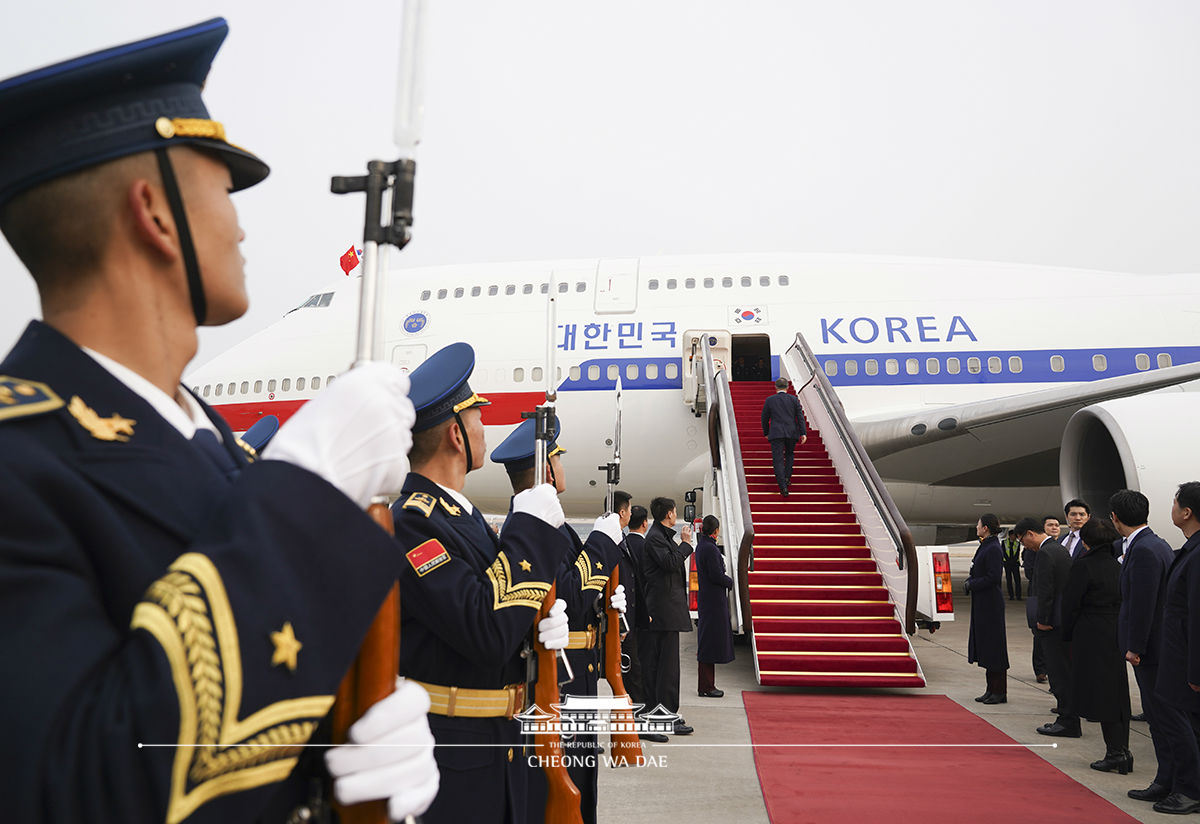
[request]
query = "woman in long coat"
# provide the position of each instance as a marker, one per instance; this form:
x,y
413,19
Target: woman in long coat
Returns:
x,y
987,644
714,636
1091,602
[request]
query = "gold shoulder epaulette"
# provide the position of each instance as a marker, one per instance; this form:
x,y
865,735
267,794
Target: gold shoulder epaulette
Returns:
x,y
21,398
421,502
251,452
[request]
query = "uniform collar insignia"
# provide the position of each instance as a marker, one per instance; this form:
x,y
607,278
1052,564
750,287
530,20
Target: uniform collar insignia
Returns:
x,y
453,509
113,428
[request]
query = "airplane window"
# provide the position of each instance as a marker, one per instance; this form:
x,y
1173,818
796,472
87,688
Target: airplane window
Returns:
x,y
271,385
631,372
831,367
933,366
1057,363
871,367
912,366
328,380
952,366
1164,360
245,387
475,290
651,371
316,384
709,283
545,290
458,292
579,287
257,387
851,368
1015,365
285,385
230,390
299,384
207,387
1142,360
671,371
652,285
527,289
593,372
746,282
425,295
219,387
510,289
764,281
994,365
518,374
493,290
536,373
891,366
558,373
671,283
690,283
974,366
727,283
326,299
442,294
784,280
196,390
562,287
574,373
1100,363
613,371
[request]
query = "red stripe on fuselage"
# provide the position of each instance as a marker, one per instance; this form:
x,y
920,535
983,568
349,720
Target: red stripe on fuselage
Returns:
x,y
506,408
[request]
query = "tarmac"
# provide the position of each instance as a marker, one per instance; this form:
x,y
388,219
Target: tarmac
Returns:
x,y
710,776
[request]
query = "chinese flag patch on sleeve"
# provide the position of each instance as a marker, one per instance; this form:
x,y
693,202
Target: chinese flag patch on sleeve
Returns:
x,y
428,556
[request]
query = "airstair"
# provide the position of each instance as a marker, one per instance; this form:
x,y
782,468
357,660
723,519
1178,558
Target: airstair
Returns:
x,y
826,576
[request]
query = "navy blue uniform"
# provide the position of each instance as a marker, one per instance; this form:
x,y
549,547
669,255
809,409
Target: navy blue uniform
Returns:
x,y
783,425
468,602
149,598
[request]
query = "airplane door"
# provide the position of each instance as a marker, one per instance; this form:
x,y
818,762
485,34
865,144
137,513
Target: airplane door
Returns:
x,y
719,341
616,286
408,357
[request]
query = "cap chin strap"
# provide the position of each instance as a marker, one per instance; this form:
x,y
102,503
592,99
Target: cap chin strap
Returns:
x,y
190,264
466,441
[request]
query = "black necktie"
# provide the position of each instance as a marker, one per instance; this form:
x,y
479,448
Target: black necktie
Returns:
x,y
206,441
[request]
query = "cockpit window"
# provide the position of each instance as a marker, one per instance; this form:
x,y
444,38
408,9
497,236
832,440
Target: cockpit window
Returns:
x,y
316,301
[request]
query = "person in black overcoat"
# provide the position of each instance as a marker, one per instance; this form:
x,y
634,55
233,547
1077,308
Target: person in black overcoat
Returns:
x,y
987,644
1178,685
714,635
1091,603
782,426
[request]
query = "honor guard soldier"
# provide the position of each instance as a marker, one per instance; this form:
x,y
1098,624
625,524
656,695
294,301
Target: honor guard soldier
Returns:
x,y
581,580
469,599
180,613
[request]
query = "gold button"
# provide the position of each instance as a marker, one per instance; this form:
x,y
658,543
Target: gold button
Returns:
x,y
510,753
164,127
591,668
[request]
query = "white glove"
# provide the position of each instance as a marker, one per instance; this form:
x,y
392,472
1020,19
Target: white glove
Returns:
x,y
552,630
617,601
541,502
400,767
610,526
356,434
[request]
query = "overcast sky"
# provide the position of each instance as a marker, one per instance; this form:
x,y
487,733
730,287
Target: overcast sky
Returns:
x,y
1062,133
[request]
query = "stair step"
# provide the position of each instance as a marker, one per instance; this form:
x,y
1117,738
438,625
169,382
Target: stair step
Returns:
x,y
878,662
774,608
804,541
825,624
832,679
813,578
827,592
813,565
799,529
815,643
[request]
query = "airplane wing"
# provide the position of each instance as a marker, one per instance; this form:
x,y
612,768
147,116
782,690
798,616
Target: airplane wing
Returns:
x,y
1023,431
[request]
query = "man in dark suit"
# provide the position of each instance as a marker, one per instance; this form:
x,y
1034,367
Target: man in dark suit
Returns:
x,y
1077,512
1049,581
665,588
783,425
1145,559
1178,684
631,571
160,583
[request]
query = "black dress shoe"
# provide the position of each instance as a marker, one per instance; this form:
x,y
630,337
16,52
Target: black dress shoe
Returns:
x,y
1155,792
682,728
1060,730
1141,716
984,697
712,693
1177,804
1121,762
995,699
1042,678
654,737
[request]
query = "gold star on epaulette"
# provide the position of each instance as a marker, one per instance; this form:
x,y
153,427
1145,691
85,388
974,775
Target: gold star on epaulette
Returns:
x,y
525,565
112,428
421,502
287,648
599,565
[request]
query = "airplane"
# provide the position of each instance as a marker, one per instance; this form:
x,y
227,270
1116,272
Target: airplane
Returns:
x,y
974,386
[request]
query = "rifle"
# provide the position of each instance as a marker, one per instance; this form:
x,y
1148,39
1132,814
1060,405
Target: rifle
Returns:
x,y
563,798
625,745
372,677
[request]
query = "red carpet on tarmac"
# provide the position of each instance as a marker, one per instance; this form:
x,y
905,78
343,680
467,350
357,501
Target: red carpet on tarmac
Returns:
x,y
849,784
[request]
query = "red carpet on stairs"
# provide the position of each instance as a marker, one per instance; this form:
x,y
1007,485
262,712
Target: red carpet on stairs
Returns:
x,y
820,612
832,784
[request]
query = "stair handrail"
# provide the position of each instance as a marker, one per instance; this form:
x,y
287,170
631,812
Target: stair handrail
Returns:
x,y
906,551
726,449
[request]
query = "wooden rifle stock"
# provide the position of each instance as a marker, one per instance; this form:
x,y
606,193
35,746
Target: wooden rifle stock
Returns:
x,y
371,678
563,798
626,747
